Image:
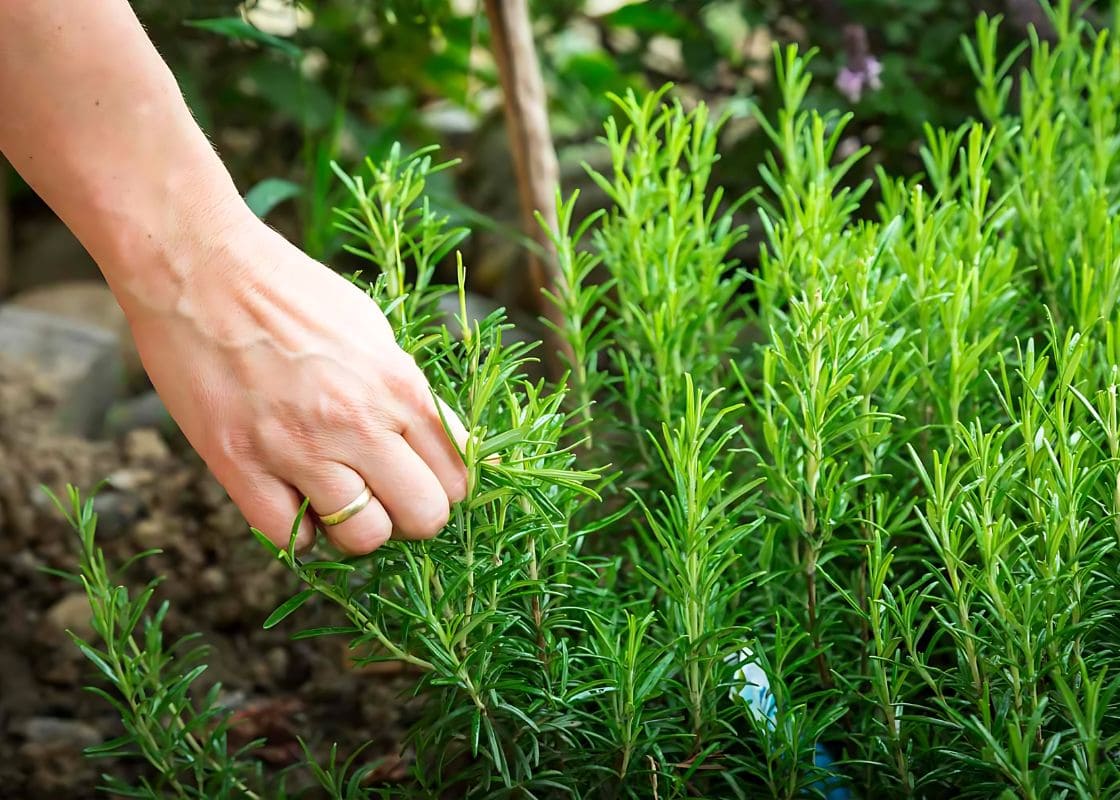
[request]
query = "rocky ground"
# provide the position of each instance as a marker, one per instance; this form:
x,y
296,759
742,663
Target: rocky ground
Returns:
x,y
218,580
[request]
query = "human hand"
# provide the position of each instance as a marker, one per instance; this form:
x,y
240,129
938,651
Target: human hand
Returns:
x,y
284,377
289,383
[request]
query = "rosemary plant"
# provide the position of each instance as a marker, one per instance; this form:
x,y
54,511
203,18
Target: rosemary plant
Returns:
x,y
873,554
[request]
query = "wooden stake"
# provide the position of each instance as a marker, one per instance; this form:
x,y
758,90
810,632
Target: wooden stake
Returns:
x,y
530,139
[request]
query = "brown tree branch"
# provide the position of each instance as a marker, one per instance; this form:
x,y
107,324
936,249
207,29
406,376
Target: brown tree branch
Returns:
x,y
534,157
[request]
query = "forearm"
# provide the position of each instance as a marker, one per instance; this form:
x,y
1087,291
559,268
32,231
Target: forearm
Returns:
x,y
93,119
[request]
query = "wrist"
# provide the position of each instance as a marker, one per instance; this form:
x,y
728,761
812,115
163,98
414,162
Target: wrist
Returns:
x,y
174,234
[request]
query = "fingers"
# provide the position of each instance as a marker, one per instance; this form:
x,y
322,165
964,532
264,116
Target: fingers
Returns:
x,y
271,506
333,486
399,449
431,443
408,489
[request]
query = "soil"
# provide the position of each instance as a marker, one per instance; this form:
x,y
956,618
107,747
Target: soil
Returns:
x,y
219,582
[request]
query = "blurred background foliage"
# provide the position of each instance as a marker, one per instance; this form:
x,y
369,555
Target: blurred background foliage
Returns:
x,y
284,88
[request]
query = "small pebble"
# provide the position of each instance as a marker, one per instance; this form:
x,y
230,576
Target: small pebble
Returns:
x,y
213,580
145,446
277,660
71,613
130,479
152,532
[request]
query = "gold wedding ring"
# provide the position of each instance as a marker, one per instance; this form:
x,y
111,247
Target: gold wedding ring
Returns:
x,y
348,510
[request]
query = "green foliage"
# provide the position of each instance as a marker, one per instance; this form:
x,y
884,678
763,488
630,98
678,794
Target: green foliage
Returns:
x,y
148,683
881,468
268,194
346,78
240,29
665,242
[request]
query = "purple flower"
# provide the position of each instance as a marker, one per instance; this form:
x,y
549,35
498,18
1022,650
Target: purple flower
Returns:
x,y
863,71
854,78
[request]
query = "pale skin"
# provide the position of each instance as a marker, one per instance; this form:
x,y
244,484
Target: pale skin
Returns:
x,y
283,376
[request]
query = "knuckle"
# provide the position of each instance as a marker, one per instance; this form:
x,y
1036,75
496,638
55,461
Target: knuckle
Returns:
x,y
338,406
270,431
233,446
300,445
311,428
405,381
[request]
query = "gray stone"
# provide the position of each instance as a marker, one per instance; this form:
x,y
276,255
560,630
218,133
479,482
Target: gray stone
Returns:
x,y
56,730
143,411
81,362
89,302
117,511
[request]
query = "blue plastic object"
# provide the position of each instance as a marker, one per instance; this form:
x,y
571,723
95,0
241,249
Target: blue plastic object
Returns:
x,y
753,687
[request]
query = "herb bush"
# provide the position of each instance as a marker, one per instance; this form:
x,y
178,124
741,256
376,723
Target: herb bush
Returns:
x,y
879,473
